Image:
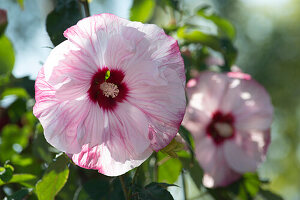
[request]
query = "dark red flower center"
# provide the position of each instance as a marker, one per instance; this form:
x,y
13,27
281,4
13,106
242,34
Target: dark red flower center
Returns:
x,y
221,127
108,88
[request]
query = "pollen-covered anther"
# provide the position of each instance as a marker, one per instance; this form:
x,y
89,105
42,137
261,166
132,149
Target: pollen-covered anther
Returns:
x,y
109,89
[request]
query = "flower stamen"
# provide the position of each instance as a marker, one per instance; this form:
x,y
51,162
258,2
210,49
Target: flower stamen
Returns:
x,y
224,129
109,89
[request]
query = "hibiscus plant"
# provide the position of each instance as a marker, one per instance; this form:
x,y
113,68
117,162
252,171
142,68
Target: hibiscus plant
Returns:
x,y
128,109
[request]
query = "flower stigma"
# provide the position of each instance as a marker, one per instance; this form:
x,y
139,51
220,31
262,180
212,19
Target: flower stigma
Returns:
x,y
109,89
107,75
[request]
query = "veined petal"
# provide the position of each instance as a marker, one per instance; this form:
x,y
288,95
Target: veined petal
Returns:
x,y
163,48
124,144
164,106
67,61
59,119
92,34
99,157
68,71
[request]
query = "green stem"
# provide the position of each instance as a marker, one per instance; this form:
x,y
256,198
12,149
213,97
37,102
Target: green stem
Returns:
x,y
156,167
86,7
184,185
124,187
133,181
135,175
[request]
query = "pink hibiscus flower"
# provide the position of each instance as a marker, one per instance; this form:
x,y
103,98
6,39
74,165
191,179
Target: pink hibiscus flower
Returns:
x,y
112,93
229,116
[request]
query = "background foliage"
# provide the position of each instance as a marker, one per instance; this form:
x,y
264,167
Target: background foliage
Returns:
x,y
261,38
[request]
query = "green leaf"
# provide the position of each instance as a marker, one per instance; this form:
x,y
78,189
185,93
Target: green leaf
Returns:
x,y
168,170
153,191
40,146
19,92
172,148
268,195
174,4
12,135
6,172
251,183
23,179
222,45
23,82
225,28
17,109
196,36
21,4
246,188
194,169
54,179
7,57
142,10
20,195
185,134
66,14
94,190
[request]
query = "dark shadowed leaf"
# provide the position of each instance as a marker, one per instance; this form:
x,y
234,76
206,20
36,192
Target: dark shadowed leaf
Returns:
x,y
54,179
66,14
94,190
20,195
142,10
185,134
245,189
268,195
40,146
194,170
153,191
174,4
6,172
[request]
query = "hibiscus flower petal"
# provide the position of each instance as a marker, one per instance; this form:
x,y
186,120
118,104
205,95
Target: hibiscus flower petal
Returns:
x,y
216,170
124,144
99,157
59,133
246,151
164,106
250,103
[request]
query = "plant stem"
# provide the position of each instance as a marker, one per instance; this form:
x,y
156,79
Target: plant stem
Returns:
x,y
124,187
86,7
184,185
135,175
156,167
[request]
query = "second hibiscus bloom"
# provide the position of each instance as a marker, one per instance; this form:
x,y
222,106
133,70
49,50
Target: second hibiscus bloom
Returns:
x,y
229,116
